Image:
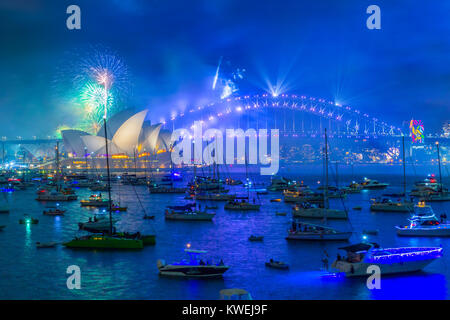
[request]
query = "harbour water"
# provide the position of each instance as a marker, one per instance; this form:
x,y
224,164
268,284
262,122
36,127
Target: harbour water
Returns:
x,y
30,273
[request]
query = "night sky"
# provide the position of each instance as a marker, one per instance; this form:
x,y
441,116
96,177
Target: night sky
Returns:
x,y
318,48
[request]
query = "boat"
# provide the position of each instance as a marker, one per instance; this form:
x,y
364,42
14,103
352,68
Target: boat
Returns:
x,y
309,231
95,200
232,182
275,200
302,196
390,260
28,220
194,268
353,187
281,214
189,215
98,187
211,207
312,211
424,223
164,189
235,294
357,208
147,239
281,184
373,184
54,212
241,206
97,224
102,241
54,195
2,227
147,217
387,205
214,197
255,238
45,244
277,265
118,207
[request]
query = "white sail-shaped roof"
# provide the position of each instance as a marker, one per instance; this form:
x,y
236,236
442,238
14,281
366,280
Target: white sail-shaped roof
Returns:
x,y
151,135
73,142
126,137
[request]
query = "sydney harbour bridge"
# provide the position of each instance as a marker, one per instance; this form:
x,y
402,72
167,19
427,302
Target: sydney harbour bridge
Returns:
x,y
300,119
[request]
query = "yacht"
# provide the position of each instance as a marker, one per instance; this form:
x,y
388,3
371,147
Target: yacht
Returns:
x,y
188,215
164,189
95,200
373,184
424,223
309,231
302,196
353,187
390,260
388,205
101,241
98,224
215,196
54,195
312,211
241,205
195,267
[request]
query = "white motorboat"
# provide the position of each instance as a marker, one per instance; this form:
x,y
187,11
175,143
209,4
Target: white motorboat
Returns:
x,y
390,260
195,267
309,231
424,223
373,184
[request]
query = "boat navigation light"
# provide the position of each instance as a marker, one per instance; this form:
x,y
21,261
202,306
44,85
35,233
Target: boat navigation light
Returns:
x,y
188,245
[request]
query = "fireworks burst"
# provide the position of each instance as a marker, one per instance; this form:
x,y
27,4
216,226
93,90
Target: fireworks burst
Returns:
x,y
91,81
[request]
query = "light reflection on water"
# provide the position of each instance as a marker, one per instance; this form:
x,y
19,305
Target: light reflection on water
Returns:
x,y
28,272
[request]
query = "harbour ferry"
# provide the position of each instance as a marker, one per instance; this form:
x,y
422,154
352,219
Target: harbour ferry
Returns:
x,y
390,260
194,268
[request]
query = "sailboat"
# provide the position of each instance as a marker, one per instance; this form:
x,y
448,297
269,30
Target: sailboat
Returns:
x,y
388,205
109,240
308,231
442,194
311,211
243,205
55,195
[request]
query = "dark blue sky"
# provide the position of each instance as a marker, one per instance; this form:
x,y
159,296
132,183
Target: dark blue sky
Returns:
x,y
321,48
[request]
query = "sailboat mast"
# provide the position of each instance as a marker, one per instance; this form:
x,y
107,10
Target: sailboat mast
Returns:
x,y
326,171
57,164
108,179
404,166
439,163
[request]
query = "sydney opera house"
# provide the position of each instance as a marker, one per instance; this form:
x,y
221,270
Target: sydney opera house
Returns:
x,y
133,142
